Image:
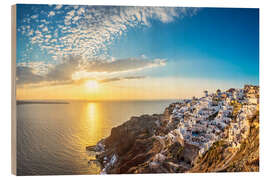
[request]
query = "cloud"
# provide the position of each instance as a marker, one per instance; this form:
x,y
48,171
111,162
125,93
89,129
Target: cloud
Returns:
x,y
25,75
130,64
57,7
62,73
120,78
88,31
81,11
37,67
34,16
34,72
45,29
51,13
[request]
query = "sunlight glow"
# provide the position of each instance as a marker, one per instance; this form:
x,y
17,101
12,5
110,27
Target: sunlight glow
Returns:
x,y
91,84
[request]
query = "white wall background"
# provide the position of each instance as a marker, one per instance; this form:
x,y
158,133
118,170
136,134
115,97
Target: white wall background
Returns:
x,y
5,84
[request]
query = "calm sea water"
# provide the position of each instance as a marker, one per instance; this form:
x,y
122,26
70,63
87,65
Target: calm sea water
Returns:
x,y
51,138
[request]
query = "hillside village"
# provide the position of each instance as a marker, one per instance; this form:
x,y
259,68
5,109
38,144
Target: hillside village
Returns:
x,y
208,119
174,140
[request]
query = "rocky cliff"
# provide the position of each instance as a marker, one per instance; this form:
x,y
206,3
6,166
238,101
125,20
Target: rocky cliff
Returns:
x,y
215,133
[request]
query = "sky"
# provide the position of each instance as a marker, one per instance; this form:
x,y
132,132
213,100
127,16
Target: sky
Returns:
x,y
124,53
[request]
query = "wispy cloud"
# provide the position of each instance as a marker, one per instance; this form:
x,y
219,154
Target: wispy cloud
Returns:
x,y
51,13
34,16
120,78
123,65
88,30
25,75
63,73
57,7
77,38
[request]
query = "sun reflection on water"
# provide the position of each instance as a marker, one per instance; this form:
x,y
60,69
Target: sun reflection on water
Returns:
x,y
91,112
93,121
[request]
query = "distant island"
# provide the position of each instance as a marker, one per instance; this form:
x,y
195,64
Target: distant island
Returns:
x,y
218,132
41,102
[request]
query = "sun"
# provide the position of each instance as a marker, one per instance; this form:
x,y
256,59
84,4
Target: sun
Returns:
x,y
91,84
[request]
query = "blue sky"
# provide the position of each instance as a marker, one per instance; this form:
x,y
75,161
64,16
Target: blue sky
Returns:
x,y
219,43
210,43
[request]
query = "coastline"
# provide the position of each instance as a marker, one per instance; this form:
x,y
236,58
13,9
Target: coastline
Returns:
x,y
18,102
181,139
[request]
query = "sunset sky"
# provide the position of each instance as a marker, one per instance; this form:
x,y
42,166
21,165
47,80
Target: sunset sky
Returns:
x,y
124,53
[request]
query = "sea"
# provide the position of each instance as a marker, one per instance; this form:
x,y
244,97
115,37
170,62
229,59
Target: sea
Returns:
x,y
51,138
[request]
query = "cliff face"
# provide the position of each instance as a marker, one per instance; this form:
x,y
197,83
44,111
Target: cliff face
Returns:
x,y
215,133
